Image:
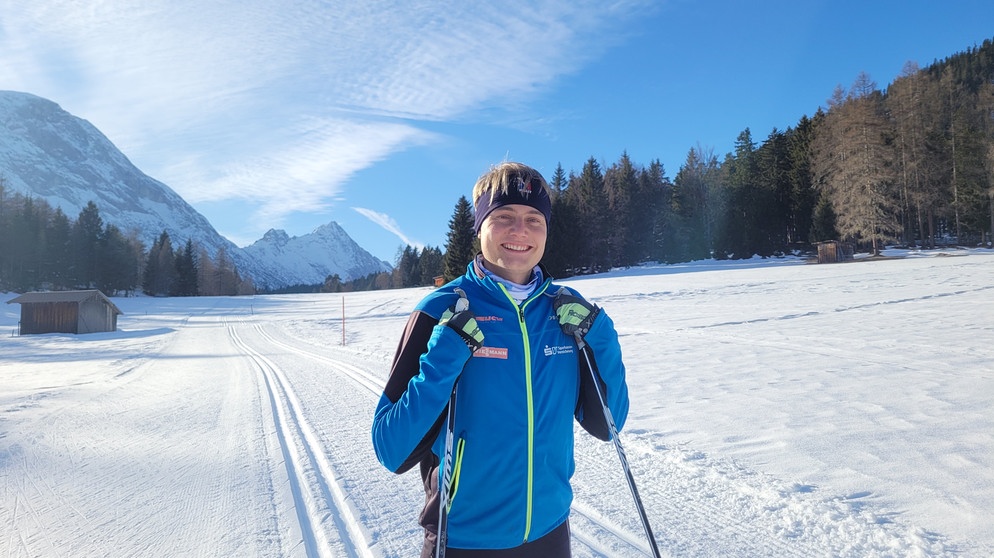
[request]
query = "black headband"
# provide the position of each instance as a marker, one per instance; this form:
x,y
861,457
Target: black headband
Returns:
x,y
530,193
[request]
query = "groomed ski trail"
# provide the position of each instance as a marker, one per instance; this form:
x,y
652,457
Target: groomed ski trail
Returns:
x,y
744,513
703,506
252,435
316,493
595,533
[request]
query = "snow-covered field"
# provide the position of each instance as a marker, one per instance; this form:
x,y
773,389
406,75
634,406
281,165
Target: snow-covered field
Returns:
x,y
778,409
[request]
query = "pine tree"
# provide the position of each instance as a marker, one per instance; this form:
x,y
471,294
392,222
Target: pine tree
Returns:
x,y
117,268
656,201
773,166
86,240
59,256
589,224
26,255
562,249
160,267
460,246
186,272
405,272
698,203
558,181
736,233
6,239
823,222
803,195
431,264
332,284
621,187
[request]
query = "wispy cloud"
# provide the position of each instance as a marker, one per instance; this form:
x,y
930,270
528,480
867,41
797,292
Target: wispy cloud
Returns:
x,y
389,224
304,171
282,103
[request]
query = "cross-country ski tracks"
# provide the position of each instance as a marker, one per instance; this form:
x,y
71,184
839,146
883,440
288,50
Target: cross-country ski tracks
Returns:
x,y
327,523
592,533
93,459
338,396
367,380
599,536
697,505
702,506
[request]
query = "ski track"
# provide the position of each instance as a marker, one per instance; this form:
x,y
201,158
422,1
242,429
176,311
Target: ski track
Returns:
x,y
700,506
589,528
697,505
305,455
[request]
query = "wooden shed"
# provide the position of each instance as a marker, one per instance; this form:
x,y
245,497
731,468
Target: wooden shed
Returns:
x,y
834,251
66,312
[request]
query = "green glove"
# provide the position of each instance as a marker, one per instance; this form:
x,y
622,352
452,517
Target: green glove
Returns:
x,y
459,318
575,314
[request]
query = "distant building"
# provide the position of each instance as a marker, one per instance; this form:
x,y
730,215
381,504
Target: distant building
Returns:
x,y
66,312
834,251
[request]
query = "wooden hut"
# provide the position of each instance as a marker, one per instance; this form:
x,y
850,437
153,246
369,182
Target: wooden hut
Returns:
x,y
66,312
834,251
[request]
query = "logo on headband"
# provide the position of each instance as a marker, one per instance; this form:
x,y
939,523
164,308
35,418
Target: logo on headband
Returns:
x,y
524,188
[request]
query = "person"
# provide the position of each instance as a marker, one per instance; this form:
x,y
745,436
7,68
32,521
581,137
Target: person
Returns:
x,y
520,381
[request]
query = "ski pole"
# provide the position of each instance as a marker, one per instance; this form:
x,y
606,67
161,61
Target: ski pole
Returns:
x,y
609,418
443,491
461,305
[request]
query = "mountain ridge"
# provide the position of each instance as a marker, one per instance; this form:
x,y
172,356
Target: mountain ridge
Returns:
x,y
48,153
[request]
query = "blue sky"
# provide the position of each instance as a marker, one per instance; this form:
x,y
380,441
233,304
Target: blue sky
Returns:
x,y
380,114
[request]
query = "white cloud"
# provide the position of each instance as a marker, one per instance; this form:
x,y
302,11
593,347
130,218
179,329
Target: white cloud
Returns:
x,y
282,103
389,224
303,172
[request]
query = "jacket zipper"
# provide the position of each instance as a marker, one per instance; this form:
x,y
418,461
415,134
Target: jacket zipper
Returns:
x,y
530,399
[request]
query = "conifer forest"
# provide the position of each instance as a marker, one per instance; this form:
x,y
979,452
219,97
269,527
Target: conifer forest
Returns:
x,y
909,164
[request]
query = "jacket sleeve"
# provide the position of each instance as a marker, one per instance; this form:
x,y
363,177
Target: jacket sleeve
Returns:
x,y
605,352
410,412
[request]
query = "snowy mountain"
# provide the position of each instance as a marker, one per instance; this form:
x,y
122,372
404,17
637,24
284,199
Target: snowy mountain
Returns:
x,y
309,259
49,154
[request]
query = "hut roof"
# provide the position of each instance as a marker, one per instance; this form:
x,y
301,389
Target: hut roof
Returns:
x,y
63,296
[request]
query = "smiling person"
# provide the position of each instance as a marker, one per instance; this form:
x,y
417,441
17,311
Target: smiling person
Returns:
x,y
487,380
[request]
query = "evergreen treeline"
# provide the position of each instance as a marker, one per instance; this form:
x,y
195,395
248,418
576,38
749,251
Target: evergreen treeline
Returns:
x,y
42,248
913,164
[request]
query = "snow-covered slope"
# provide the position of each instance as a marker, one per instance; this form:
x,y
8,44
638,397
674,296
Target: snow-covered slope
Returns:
x,y
49,154
778,410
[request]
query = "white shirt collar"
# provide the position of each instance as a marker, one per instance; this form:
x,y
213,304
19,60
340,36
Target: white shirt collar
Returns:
x,y
517,291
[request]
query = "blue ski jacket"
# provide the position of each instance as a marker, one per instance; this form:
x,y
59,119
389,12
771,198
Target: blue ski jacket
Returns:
x,y
516,400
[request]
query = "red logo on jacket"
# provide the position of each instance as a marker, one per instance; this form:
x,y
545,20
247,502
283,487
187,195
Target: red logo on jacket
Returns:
x,y
491,352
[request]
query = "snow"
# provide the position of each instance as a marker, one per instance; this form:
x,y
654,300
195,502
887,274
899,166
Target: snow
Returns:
x,y
778,409
47,153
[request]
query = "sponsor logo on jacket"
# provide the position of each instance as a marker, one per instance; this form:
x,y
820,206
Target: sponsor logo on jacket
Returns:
x,y
491,352
550,350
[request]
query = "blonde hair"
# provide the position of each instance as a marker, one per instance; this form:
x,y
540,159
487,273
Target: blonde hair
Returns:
x,y
499,179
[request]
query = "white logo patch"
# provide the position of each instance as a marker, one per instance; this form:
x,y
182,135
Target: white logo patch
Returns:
x,y
560,350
